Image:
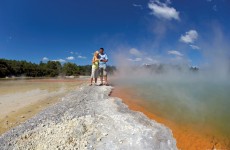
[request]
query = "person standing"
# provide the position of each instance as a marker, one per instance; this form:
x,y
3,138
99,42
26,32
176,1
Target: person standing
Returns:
x,y
95,65
102,66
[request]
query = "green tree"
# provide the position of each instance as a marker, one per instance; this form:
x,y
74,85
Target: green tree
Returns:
x,y
4,71
53,68
49,69
70,69
85,70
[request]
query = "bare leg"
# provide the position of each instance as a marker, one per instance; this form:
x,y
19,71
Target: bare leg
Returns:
x,y
101,77
105,77
95,80
91,81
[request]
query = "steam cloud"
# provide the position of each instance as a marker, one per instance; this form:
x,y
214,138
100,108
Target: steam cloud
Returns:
x,y
168,81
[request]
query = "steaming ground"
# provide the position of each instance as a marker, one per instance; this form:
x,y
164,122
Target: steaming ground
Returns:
x,y
89,119
198,99
191,100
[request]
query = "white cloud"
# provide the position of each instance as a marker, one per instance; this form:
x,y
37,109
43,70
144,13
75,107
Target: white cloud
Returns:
x,y
173,52
73,53
81,57
60,60
189,36
138,5
135,52
151,60
70,58
162,10
45,59
135,60
194,47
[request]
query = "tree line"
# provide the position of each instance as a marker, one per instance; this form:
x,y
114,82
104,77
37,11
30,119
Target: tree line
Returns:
x,y
9,68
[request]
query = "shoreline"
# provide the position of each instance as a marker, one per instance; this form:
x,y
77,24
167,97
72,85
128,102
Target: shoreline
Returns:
x,y
23,102
187,138
15,118
41,78
89,118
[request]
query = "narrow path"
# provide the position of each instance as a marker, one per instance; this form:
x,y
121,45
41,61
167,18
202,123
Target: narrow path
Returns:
x,y
89,119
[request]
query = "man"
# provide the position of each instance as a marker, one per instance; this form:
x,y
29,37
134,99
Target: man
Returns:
x,y
102,66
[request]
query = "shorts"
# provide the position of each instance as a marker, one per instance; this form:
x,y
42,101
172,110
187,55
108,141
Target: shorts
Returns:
x,y
94,73
103,71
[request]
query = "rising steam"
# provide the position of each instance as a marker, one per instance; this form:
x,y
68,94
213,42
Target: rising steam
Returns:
x,y
175,90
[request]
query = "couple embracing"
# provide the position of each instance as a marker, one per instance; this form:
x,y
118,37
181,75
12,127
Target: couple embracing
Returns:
x,y
99,67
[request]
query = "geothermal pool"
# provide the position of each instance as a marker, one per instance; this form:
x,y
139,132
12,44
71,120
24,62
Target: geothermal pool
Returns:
x,y
199,104
204,104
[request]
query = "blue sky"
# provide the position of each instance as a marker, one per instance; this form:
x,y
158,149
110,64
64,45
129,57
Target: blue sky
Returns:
x,y
144,31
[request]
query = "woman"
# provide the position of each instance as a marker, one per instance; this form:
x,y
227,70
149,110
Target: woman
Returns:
x,y
95,66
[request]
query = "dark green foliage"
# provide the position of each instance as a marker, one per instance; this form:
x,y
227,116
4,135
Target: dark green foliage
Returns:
x,y
9,68
70,69
85,70
4,69
53,68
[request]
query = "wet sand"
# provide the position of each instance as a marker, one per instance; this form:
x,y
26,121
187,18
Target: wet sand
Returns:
x,y
22,99
188,138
